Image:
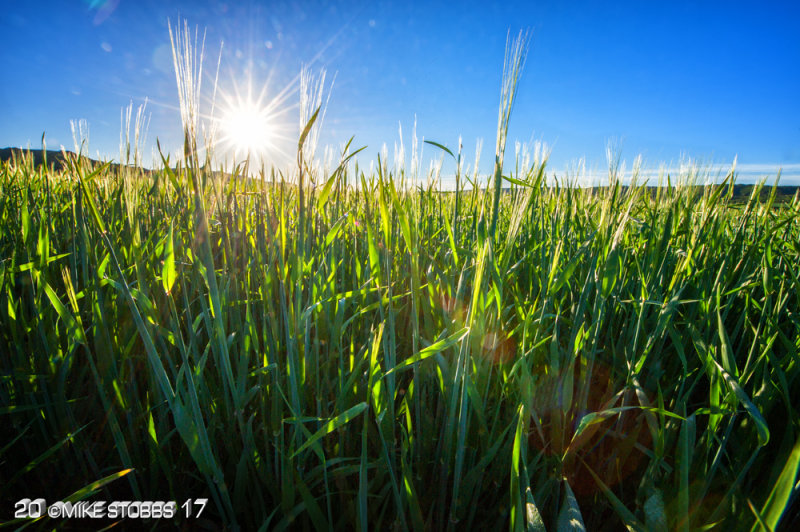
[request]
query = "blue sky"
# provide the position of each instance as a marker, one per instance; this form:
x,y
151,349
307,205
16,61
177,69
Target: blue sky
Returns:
x,y
702,80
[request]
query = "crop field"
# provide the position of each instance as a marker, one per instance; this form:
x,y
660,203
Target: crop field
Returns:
x,y
357,349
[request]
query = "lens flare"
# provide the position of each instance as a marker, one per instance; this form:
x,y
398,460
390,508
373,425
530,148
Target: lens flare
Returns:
x,y
103,9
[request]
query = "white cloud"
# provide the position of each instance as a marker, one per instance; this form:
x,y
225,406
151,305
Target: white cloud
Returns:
x,y
701,172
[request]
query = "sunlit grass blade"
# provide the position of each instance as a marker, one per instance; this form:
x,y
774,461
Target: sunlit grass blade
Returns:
x,y
784,489
333,424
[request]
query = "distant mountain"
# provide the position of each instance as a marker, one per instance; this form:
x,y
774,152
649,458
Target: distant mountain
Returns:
x,y
54,157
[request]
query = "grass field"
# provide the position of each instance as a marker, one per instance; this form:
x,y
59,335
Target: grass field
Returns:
x,y
358,351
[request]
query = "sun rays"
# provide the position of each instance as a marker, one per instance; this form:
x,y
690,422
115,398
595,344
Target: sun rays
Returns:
x,y
260,128
246,120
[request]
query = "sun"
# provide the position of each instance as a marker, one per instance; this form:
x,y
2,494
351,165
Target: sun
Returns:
x,y
251,122
247,128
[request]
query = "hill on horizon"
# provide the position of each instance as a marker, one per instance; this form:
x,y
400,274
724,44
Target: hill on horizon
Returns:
x,y
55,159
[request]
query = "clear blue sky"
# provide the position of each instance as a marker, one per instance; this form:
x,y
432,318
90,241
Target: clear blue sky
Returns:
x,y
707,80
